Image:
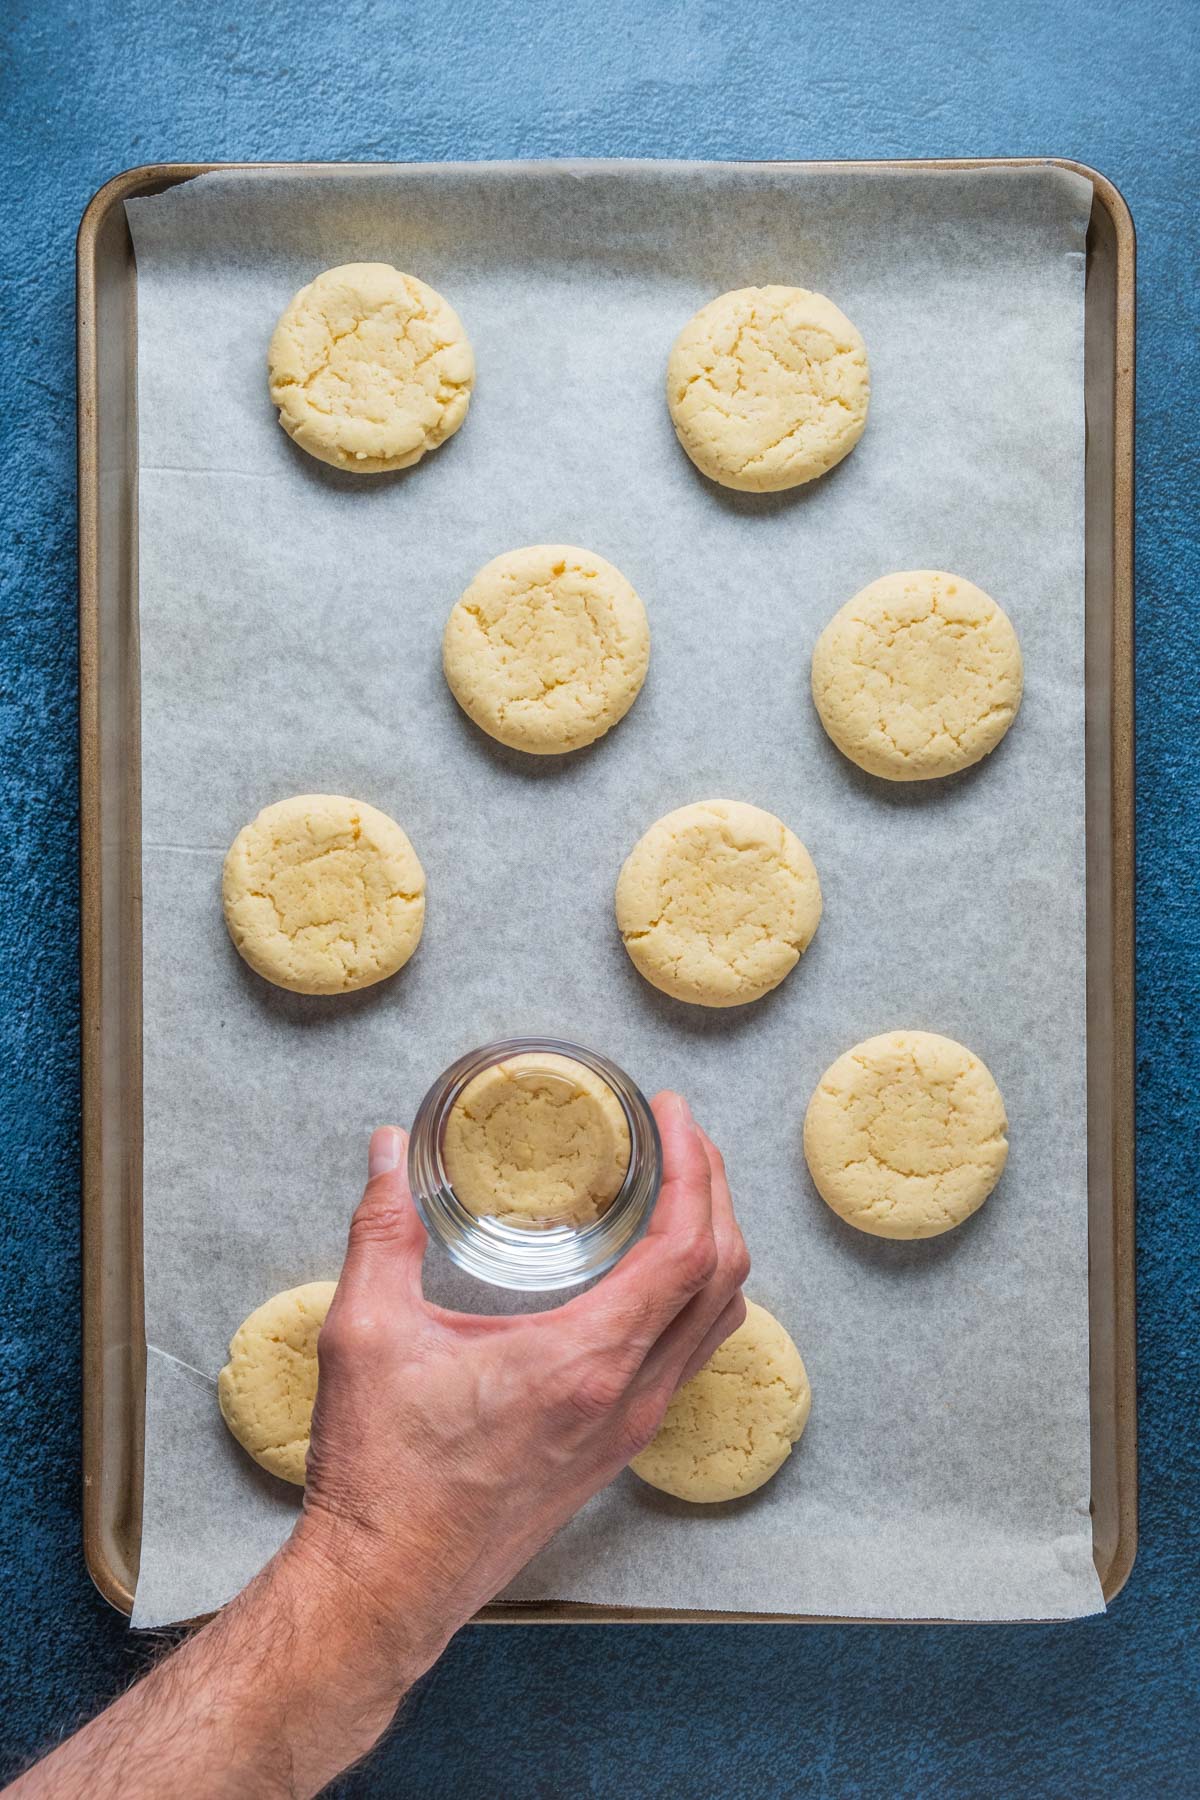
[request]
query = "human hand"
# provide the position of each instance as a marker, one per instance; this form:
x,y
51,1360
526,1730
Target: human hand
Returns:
x,y
447,1448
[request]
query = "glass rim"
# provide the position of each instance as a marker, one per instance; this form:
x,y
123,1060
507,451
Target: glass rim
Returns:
x,y
512,1256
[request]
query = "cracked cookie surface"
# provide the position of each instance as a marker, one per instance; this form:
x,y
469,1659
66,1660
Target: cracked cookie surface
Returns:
x,y
537,1140
768,387
267,1388
917,676
547,648
905,1135
717,903
323,894
370,368
733,1425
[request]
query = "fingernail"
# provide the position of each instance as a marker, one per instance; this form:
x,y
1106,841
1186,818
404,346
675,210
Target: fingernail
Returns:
x,y
387,1150
684,1110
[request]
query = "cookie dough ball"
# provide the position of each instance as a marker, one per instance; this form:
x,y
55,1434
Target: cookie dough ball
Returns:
x,y
717,903
370,368
547,648
323,894
905,1136
768,387
733,1425
267,1388
918,676
535,1141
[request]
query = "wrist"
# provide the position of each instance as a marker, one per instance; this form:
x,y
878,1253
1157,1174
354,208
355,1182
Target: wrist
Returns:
x,y
374,1608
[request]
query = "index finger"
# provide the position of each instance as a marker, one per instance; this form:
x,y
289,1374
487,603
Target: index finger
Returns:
x,y
633,1305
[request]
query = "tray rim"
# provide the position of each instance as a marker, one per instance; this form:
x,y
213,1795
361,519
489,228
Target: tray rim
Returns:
x,y
150,178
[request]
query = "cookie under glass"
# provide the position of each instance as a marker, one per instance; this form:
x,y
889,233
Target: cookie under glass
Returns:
x,y
514,1256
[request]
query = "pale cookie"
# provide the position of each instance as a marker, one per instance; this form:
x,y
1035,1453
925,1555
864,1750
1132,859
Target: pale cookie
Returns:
x,y
267,1388
918,676
370,368
733,1425
535,1141
323,894
717,902
768,387
547,648
905,1135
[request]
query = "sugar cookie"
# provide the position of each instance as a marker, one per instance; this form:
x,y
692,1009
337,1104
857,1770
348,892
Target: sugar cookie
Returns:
x,y
768,387
547,648
918,676
370,368
323,894
905,1135
733,1425
537,1140
717,902
267,1388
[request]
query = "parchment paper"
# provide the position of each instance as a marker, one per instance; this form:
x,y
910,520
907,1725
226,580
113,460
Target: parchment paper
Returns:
x,y
290,634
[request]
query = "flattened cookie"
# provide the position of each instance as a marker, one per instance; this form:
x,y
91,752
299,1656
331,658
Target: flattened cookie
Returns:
x,y
733,1425
918,676
537,1140
905,1135
267,1388
547,648
768,387
370,368
717,902
323,894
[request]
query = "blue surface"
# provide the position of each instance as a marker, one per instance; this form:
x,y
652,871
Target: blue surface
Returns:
x,y
1104,1707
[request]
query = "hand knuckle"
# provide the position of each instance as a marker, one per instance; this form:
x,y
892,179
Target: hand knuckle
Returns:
x,y
733,1258
639,1326
379,1220
640,1424
348,1334
696,1259
592,1391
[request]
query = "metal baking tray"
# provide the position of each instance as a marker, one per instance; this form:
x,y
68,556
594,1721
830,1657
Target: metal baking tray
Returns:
x,y
110,876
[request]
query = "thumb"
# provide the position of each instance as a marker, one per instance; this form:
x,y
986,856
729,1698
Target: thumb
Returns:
x,y
387,1240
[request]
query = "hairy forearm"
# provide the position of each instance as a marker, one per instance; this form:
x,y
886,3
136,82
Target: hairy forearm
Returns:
x,y
292,1682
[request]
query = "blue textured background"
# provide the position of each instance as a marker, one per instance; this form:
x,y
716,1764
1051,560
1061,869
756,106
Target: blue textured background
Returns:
x,y
1104,1707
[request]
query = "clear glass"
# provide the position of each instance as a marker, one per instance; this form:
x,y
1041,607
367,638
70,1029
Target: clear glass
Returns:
x,y
513,1256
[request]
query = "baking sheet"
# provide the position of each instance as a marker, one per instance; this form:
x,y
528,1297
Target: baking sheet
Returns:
x,y
291,620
